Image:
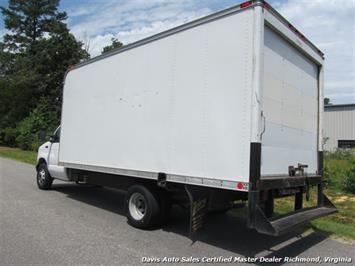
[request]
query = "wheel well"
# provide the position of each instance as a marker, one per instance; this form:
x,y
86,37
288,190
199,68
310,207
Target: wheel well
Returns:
x,y
40,161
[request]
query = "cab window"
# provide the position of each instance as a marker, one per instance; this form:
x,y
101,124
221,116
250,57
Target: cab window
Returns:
x,y
56,135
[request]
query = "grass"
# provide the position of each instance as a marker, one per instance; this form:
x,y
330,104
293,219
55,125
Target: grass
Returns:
x,y
341,224
18,155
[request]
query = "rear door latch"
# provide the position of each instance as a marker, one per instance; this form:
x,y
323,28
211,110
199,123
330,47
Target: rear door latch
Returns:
x,y
300,169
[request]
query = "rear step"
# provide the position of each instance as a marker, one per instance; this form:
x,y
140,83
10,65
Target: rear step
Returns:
x,y
283,224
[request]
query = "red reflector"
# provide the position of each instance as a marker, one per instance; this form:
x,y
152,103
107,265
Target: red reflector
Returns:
x,y
245,4
267,6
240,185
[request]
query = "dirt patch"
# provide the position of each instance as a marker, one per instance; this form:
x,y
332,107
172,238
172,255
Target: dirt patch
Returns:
x,y
341,199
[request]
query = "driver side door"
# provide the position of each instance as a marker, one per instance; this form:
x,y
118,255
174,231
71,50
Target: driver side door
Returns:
x,y
54,168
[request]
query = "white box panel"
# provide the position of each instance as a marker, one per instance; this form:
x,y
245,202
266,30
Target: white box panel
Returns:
x,y
179,105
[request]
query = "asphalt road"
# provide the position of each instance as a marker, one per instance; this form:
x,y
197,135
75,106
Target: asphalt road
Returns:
x,y
73,224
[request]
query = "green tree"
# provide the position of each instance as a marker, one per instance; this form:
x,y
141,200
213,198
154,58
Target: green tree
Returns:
x,y
115,44
34,57
30,20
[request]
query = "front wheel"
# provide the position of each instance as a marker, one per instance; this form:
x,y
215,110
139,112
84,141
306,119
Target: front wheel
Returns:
x,y
44,179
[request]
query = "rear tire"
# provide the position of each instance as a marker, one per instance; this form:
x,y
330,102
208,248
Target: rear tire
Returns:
x,y
44,179
142,207
147,206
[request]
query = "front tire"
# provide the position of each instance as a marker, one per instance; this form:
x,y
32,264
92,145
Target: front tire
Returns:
x,y
44,179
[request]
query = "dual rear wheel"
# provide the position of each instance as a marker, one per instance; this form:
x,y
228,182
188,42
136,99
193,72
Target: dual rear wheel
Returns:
x,y
147,206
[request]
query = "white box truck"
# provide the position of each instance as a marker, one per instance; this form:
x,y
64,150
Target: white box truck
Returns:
x,y
224,108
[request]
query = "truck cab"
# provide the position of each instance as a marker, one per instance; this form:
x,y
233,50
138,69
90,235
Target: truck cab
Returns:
x,y
47,165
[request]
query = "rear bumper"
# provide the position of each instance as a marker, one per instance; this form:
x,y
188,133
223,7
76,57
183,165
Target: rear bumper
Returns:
x,y
275,182
261,203
284,224
263,190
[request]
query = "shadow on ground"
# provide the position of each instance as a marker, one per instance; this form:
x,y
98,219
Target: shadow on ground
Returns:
x,y
227,231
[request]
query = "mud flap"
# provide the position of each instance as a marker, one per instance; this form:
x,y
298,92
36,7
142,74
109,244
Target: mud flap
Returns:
x,y
198,197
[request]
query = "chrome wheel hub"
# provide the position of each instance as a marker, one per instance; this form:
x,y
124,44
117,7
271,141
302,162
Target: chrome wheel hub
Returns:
x,y
41,176
137,206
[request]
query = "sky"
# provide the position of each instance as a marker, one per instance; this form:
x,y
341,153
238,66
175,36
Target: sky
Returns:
x,y
329,24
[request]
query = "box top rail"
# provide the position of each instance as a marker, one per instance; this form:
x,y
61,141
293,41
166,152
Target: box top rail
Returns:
x,y
214,16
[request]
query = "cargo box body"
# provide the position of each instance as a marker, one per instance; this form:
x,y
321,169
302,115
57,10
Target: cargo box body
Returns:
x,y
189,102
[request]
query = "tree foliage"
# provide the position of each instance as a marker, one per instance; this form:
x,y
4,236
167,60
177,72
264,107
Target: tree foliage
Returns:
x,y
115,44
34,56
30,20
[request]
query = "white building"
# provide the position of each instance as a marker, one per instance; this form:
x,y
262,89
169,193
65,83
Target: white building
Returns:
x,y
339,126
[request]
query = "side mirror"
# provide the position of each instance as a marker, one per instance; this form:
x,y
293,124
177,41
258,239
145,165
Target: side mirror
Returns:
x,y
51,138
42,135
